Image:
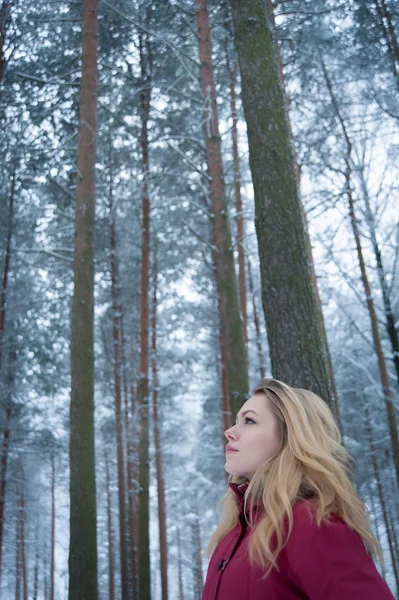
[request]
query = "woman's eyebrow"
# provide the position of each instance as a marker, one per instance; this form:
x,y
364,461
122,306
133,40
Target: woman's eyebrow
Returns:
x,y
245,412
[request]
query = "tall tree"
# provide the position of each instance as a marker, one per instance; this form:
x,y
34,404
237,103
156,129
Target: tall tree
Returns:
x,y
288,295
382,366
143,395
83,536
116,335
230,319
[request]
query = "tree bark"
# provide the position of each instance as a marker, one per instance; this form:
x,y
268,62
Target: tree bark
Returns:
x,y
382,367
83,536
237,371
143,399
111,575
288,296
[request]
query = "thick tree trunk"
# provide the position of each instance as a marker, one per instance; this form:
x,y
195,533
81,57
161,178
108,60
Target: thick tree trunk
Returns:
x,y
262,370
237,371
163,543
288,296
3,292
111,575
143,399
382,367
52,548
5,18
116,333
83,536
381,497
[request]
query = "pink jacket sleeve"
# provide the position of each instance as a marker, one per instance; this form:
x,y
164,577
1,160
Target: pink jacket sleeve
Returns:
x,y
330,562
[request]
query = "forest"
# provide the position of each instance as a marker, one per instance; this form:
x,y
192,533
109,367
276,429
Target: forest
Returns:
x,y
194,195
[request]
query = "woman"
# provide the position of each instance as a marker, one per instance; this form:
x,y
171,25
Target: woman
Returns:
x,y
292,526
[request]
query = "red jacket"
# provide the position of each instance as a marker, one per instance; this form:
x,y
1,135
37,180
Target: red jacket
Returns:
x,y
328,562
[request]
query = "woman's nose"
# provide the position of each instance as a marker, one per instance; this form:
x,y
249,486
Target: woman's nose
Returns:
x,y
230,433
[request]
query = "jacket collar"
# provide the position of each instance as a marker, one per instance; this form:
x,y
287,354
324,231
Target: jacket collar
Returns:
x,y
239,489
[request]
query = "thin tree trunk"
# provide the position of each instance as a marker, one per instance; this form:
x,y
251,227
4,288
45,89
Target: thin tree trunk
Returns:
x,y
45,573
83,536
116,332
288,295
198,554
52,547
111,575
384,377
226,408
381,496
4,284
133,477
3,477
376,523
240,231
392,527
237,371
389,315
18,557
180,569
5,19
143,399
163,543
22,549
6,444
132,505
262,370
36,569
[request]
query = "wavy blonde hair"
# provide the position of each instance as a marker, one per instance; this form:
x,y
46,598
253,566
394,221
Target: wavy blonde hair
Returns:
x,y
311,463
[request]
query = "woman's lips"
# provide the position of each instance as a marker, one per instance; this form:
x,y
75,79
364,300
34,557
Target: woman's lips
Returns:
x,y
228,449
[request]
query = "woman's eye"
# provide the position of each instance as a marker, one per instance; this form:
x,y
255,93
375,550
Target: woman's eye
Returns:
x,y
249,420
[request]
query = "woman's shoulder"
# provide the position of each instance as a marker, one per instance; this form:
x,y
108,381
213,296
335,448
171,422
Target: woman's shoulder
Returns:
x,y
308,534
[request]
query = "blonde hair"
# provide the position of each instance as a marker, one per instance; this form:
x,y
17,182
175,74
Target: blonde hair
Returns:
x,y
311,463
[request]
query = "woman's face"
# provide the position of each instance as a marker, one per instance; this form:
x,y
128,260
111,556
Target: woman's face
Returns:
x,y
253,439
